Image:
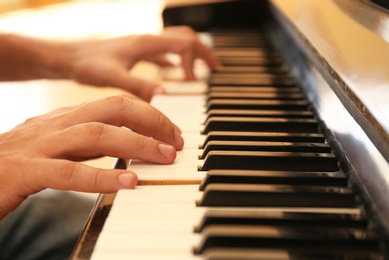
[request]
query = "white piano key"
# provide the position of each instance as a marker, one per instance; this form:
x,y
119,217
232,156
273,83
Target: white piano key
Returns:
x,y
114,254
179,104
186,111
142,232
184,168
190,87
156,242
193,140
156,222
186,157
167,175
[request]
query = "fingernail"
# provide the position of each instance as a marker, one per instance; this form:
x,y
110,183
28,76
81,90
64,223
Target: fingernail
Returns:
x,y
128,180
167,151
178,138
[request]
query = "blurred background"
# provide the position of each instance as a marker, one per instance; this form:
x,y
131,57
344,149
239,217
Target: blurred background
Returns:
x,y
13,5
70,20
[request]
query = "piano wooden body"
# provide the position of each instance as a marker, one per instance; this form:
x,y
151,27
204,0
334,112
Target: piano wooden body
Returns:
x,y
287,146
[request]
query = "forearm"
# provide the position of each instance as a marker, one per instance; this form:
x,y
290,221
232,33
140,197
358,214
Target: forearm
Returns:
x,y
24,58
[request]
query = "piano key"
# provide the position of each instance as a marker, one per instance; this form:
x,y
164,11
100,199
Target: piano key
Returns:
x,y
243,43
280,218
282,254
257,104
283,238
258,113
187,111
192,140
277,161
250,95
261,124
145,255
154,207
262,136
245,52
257,195
179,104
252,69
254,89
251,82
259,76
264,146
274,177
155,215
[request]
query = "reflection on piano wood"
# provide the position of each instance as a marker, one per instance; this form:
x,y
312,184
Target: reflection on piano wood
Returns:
x,y
266,178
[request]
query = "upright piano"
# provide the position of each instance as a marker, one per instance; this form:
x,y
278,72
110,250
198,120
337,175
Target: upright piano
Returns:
x,y
286,146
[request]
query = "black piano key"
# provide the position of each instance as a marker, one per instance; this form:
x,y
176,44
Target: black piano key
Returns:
x,y
257,104
313,241
255,90
294,241
252,81
275,161
246,52
282,254
251,42
280,219
263,136
261,124
334,179
268,95
258,195
243,76
259,113
251,61
265,146
282,69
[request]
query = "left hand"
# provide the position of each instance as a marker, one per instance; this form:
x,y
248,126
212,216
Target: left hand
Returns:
x,y
106,62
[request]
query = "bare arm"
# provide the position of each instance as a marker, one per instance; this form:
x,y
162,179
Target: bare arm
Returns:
x,y
101,62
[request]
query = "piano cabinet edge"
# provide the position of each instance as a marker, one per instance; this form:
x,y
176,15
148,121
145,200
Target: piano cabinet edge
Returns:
x,y
88,238
306,67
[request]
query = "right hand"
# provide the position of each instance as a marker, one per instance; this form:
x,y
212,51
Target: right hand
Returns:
x,y
44,152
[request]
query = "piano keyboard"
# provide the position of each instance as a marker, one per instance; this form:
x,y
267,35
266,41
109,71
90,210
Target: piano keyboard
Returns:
x,y
257,178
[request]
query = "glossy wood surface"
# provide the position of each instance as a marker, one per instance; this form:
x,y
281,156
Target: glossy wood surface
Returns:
x,y
351,40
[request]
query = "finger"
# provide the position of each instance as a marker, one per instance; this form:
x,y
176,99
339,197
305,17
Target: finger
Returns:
x,y
132,113
140,87
189,50
67,175
91,140
115,73
207,55
161,61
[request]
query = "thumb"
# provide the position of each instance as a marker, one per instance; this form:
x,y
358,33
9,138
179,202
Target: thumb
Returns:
x,y
68,175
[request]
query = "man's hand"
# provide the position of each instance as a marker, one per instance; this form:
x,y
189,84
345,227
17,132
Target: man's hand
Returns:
x,y
101,62
44,151
107,62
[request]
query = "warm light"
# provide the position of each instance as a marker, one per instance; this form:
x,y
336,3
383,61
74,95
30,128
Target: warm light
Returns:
x,y
83,19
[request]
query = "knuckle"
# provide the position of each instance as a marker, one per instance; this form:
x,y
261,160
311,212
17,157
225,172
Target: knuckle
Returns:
x,y
95,178
162,121
120,103
93,131
143,142
70,175
68,172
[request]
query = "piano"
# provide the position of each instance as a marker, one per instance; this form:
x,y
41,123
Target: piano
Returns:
x,y
286,147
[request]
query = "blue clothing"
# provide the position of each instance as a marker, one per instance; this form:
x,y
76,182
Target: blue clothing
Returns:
x,y
45,226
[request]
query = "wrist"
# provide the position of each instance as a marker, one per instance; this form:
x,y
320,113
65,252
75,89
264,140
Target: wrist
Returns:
x,y
30,58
